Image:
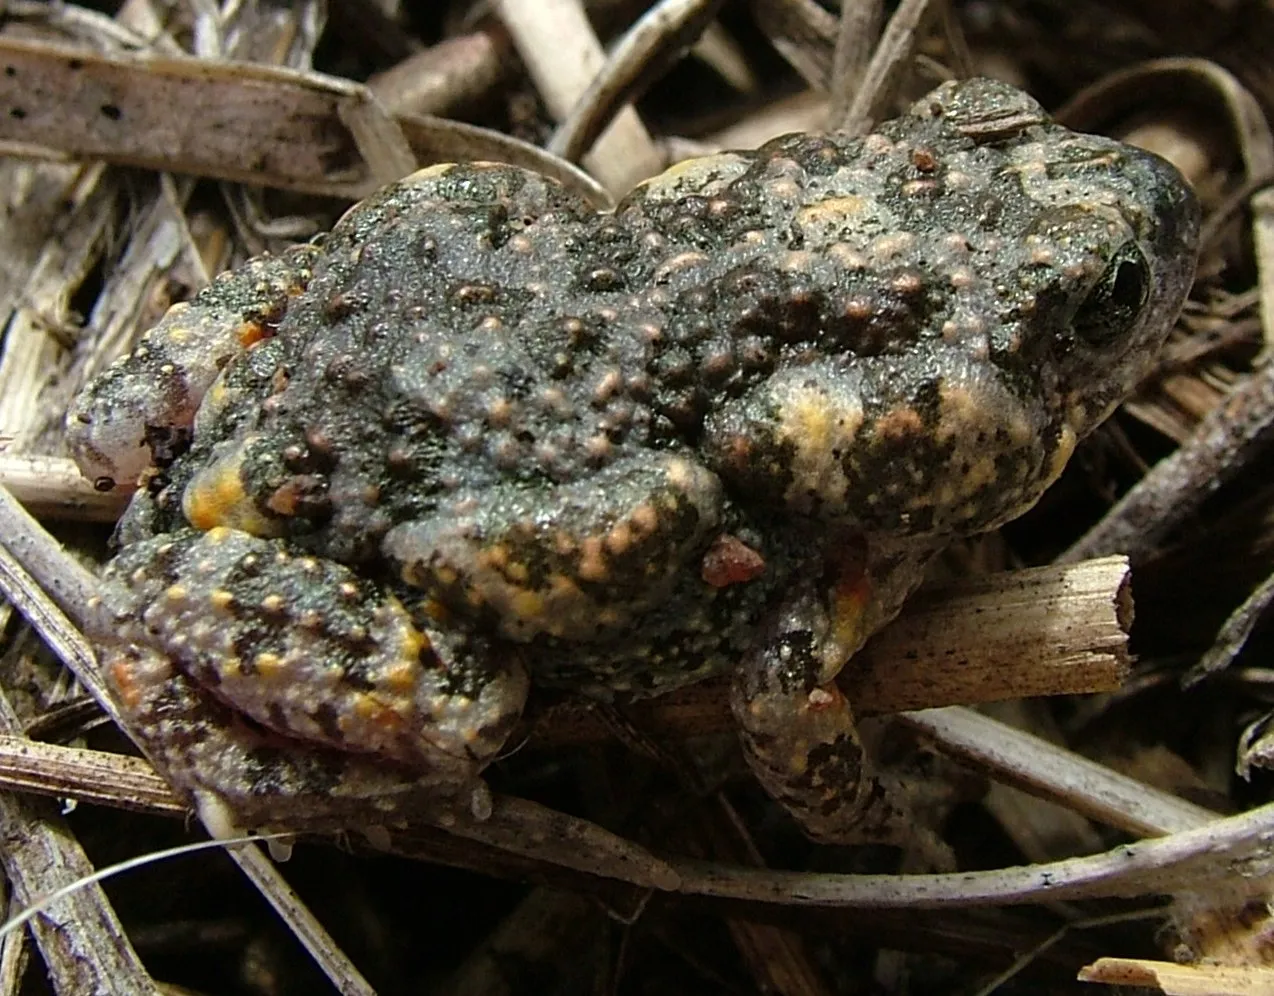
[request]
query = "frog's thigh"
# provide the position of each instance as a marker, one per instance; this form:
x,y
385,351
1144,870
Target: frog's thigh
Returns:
x,y
140,409
798,730
308,649
238,776
575,561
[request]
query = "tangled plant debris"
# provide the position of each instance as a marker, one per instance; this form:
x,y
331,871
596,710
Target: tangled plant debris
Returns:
x,y
1111,638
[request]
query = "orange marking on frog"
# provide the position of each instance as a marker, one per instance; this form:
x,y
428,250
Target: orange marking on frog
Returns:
x,y
125,683
251,332
851,595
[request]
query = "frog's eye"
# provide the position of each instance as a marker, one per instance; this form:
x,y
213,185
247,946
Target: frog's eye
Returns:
x,y
1115,301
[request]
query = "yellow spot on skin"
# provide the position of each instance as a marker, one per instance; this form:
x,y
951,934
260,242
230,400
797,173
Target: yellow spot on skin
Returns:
x,y
176,593
222,600
527,605
369,707
401,678
517,572
680,475
1066,441
961,411
849,603
217,395
981,473
494,556
250,333
268,665
215,497
831,209
273,603
562,589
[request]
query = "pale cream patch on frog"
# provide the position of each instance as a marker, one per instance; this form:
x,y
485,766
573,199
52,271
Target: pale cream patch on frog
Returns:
x,y
968,412
834,221
820,428
704,176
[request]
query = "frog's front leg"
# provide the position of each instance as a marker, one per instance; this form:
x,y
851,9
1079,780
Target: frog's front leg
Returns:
x,y
138,412
577,561
798,730
250,673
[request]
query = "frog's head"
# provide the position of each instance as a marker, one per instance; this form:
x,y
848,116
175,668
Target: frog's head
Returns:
x,y
1100,245
1045,268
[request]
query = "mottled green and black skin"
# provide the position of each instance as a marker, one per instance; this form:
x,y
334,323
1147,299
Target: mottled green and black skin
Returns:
x,y
719,429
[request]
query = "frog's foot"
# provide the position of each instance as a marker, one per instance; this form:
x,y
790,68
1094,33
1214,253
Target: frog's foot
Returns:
x,y
580,563
239,775
139,411
798,730
313,654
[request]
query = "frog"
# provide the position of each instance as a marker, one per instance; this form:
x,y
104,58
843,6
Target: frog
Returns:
x,y
484,438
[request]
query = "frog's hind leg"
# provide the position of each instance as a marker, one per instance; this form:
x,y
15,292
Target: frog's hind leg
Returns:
x,y
138,413
317,658
798,730
240,776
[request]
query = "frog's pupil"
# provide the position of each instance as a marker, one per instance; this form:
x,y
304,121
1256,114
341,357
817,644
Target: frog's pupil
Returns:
x,y
1114,303
1129,288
